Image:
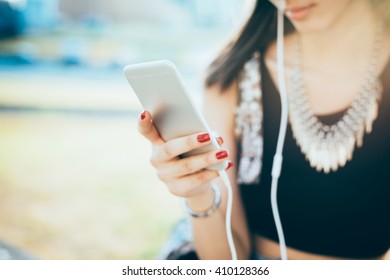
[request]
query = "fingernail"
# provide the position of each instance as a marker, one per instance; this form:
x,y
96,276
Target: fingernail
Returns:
x,y
230,164
202,138
143,115
220,140
221,154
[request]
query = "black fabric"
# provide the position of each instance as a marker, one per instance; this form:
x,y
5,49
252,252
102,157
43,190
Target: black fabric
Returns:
x,y
342,214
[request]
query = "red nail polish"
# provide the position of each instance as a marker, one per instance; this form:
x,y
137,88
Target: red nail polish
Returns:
x,y
230,164
220,140
202,138
221,154
143,115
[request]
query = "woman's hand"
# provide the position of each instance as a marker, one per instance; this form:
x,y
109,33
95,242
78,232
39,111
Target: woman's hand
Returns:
x,y
185,177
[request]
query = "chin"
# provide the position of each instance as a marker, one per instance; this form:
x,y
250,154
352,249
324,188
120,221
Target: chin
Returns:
x,y
320,15
312,25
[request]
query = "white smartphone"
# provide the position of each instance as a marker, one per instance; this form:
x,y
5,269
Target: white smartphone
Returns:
x,y
162,92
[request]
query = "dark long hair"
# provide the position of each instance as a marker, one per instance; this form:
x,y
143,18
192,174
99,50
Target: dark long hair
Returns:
x,y
257,33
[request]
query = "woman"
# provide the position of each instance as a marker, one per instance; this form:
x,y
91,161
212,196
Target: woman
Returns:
x,y
333,191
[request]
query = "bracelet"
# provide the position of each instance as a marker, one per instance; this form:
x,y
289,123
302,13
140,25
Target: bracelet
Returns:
x,y
210,210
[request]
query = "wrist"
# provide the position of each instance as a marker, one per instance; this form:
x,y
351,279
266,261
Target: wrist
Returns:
x,y
201,200
204,204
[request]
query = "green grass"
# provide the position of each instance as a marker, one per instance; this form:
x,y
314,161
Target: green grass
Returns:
x,y
81,188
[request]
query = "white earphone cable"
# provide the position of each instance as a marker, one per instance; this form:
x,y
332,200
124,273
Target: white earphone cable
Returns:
x,y
229,234
278,158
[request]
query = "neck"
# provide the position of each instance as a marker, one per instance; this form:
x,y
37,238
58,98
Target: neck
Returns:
x,y
348,41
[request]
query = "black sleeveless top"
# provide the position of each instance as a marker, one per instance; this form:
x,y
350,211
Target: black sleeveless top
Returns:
x,y
341,214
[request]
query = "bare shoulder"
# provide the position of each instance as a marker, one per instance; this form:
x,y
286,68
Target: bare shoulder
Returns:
x,y
216,91
219,108
220,102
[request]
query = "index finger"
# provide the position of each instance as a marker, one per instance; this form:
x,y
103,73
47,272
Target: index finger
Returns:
x,y
147,129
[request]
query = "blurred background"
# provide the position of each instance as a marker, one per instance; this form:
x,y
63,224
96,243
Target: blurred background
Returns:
x,y
75,179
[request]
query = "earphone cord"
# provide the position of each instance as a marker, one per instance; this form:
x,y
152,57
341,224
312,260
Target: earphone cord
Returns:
x,y
229,234
278,158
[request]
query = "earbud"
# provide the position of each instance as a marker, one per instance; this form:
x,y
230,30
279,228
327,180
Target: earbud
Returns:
x,y
282,5
279,4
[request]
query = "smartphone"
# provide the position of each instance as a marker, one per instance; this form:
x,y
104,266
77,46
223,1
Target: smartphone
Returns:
x,y
161,90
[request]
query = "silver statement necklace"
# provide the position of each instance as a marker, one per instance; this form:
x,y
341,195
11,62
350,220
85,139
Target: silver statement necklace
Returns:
x,y
328,147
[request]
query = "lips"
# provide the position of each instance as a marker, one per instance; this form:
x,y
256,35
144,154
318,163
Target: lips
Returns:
x,y
299,13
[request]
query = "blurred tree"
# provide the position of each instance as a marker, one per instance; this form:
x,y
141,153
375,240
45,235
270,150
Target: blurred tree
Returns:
x,y
11,20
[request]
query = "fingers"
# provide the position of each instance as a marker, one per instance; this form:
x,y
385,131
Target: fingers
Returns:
x,y
185,177
218,138
181,145
193,184
147,129
165,156
192,164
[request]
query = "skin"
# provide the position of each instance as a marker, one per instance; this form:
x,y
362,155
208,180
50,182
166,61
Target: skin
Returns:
x,y
331,40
